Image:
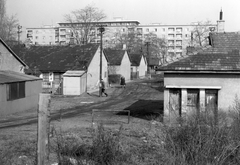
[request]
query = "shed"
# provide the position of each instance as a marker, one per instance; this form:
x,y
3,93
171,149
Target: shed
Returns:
x,y
18,92
74,82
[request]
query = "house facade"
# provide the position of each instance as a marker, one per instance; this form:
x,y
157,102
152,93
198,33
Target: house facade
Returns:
x,y
119,62
9,60
18,92
138,65
201,84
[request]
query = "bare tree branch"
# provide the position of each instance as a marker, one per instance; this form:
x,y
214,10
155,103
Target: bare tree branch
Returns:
x,y
86,17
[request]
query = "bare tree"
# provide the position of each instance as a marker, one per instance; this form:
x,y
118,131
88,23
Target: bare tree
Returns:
x,y
83,23
8,24
200,33
157,47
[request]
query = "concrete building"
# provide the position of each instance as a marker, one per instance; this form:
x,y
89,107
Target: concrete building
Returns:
x,y
204,83
47,35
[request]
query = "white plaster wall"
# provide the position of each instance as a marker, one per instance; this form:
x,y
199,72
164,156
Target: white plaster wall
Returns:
x,y
94,70
30,102
125,67
230,85
71,86
8,61
142,68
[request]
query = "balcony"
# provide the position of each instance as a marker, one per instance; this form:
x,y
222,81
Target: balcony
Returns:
x,y
178,30
179,36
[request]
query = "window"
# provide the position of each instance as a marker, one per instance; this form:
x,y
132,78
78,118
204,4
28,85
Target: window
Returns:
x,y
155,29
147,30
163,29
192,97
15,90
36,37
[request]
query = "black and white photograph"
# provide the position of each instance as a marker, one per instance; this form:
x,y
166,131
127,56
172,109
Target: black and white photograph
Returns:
x,y
119,82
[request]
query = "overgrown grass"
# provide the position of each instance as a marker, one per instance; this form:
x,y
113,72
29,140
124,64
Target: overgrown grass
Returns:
x,y
143,142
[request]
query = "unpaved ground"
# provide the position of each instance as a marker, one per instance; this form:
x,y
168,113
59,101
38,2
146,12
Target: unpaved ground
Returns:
x,y
143,99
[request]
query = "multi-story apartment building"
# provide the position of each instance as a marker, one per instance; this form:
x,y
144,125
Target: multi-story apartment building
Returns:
x,y
111,27
178,37
47,35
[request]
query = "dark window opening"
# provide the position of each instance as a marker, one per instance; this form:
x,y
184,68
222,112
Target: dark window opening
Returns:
x,y
15,90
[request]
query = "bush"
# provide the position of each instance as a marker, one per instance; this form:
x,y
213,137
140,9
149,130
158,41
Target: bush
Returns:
x,y
114,78
201,143
104,149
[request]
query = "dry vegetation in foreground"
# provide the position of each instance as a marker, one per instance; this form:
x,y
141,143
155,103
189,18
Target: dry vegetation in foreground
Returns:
x,y
142,142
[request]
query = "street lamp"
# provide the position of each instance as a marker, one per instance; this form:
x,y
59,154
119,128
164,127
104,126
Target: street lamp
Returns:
x,y
101,29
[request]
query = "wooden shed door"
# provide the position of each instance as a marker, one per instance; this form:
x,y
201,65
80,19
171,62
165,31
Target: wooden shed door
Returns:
x,y
211,104
175,103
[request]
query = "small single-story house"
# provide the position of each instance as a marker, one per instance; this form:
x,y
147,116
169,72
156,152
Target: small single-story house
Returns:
x,y
206,82
9,60
119,62
51,62
138,65
18,92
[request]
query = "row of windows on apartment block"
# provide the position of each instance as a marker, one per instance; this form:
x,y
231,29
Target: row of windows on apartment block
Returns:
x,y
140,30
170,36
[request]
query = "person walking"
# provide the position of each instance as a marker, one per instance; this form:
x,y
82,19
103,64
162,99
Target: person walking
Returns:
x,y
103,87
122,82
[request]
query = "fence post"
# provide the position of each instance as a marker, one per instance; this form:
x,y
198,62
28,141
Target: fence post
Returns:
x,y
43,128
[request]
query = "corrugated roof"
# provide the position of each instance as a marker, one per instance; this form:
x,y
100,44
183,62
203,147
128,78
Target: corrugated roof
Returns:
x,y
114,56
10,76
57,58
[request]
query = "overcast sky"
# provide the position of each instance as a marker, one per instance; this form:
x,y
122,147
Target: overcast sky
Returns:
x,y
36,13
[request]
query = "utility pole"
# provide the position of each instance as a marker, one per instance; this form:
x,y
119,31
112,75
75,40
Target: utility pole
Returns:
x,y
147,43
101,29
19,32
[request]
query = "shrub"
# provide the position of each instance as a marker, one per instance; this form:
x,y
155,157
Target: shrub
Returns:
x,y
114,78
104,149
200,142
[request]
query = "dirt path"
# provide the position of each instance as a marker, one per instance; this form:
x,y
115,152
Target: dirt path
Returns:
x,y
142,98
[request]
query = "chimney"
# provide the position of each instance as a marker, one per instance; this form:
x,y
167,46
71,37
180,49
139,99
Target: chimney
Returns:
x,y
220,23
221,15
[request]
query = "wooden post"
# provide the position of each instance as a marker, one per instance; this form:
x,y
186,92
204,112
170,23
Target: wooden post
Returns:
x,y
43,128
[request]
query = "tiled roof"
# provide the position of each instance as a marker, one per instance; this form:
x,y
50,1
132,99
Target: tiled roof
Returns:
x,y
57,58
207,62
223,55
114,56
10,76
224,42
135,58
